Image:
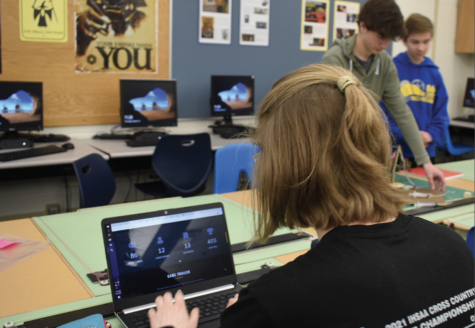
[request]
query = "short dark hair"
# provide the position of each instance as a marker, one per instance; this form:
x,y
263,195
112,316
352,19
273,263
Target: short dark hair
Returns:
x,y
383,17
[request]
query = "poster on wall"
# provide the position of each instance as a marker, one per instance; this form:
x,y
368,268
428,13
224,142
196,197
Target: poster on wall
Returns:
x,y
0,39
314,29
215,21
116,37
254,23
43,21
346,15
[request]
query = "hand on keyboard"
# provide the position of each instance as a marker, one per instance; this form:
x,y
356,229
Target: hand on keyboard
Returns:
x,y
172,314
232,300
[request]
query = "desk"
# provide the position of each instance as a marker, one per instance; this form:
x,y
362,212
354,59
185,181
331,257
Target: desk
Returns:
x,y
19,285
119,149
67,231
81,149
462,124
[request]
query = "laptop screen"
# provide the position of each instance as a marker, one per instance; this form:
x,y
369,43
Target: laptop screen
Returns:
x,y
152,253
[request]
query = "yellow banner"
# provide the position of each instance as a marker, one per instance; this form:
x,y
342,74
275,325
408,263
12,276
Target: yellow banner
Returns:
x,y
44,20
116,36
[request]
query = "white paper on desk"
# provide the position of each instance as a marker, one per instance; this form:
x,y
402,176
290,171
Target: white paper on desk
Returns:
x,y
23,249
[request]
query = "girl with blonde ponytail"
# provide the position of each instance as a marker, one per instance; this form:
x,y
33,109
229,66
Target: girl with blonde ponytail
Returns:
x,y
323,163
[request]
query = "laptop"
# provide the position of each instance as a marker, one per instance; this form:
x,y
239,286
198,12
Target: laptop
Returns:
x,y
149,254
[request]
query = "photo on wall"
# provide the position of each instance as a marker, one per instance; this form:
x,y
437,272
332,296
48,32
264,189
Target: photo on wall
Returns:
x,y
314,26
215,21
216,6
345,21
254,23
0,38
116,37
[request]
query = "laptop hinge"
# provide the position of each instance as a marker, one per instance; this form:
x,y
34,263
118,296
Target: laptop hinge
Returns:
x,y
188,296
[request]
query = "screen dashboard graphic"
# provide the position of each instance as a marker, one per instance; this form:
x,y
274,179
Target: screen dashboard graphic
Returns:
x,y
232,95
155,257
148,103
21,106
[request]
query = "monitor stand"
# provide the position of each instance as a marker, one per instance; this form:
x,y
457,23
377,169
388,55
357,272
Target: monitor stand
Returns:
x,y
227,130
148,135
13,139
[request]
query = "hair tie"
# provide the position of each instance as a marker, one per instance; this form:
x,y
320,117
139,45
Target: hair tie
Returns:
x,y
343,82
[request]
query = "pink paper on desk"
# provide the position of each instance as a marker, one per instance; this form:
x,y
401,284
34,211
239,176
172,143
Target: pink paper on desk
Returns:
x,y
4,243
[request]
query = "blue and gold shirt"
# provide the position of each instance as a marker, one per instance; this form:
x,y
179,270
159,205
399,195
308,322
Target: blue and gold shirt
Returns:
x,y
423,88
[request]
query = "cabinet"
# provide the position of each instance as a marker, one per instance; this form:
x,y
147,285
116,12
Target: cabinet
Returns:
x,y
464,38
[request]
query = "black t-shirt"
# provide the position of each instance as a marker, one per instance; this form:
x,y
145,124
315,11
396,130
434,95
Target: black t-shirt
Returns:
x,y
407,273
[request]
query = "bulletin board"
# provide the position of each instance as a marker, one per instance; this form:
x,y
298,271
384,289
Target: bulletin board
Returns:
x,y
71,98
194,63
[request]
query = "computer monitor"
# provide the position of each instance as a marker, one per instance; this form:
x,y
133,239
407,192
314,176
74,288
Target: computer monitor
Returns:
x,y
468,99
231,96
148,103
21,107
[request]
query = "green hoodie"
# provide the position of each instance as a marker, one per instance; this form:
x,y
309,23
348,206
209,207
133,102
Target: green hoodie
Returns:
x,y
382,79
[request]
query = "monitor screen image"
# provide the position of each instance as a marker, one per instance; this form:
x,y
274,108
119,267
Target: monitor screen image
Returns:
x,y
21,106
468,99
232,95
148,103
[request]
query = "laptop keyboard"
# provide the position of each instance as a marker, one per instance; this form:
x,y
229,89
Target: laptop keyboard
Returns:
x,y
210,307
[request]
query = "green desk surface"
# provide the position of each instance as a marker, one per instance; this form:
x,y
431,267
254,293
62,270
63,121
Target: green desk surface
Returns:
x,y
460,214
78,235
450,192
467,167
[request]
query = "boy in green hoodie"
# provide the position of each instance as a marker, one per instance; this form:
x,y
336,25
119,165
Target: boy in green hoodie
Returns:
x,y
364,54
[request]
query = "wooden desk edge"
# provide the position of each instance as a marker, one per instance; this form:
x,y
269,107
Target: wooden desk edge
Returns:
x,y
63,259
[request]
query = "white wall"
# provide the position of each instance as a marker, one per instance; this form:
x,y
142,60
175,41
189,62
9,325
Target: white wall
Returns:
x,y
408,7
455,68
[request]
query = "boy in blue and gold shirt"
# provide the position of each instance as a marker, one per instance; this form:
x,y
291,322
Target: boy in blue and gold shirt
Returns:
x,y
422,86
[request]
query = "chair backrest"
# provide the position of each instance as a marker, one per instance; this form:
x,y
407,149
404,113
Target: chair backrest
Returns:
x,y
183,163
229,162
96,181
471,240
454,149
448,141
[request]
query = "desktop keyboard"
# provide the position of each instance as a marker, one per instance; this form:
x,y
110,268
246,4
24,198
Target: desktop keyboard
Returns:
x,y
47,137
33,152
210,308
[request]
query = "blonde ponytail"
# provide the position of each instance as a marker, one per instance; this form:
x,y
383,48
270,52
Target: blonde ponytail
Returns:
x,y
325,154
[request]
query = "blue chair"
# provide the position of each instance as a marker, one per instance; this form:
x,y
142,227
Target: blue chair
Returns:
x,y
229,162
471,240
183,164
456,148
96,181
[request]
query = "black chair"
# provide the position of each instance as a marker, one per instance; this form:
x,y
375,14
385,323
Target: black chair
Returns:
x,y
96,181
183,164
